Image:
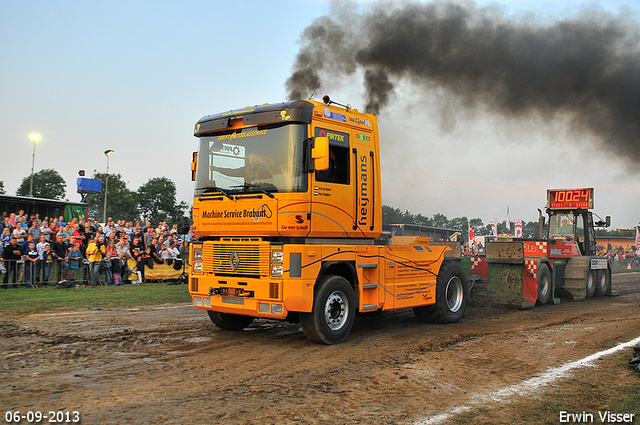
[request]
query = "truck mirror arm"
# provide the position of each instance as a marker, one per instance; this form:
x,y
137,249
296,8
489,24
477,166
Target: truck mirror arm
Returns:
x,y
602,223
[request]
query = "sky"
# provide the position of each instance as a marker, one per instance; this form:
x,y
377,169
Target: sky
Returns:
x,y
136,76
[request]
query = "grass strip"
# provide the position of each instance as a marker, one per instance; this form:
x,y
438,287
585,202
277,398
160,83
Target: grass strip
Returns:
x,y
45,300
612,386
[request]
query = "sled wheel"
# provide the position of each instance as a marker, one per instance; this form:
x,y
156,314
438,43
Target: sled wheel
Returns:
x,y
544,284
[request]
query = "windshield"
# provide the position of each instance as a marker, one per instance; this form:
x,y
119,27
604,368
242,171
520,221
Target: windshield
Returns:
x,y
255,159
561,225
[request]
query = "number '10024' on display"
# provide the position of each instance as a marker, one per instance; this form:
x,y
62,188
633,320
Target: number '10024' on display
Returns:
x,y
570,198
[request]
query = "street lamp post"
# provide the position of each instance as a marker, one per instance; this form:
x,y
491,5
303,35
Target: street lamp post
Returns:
x,y
36,138
108,152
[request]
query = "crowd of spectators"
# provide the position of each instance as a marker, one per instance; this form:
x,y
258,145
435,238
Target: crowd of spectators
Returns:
x,y
619,256
31,248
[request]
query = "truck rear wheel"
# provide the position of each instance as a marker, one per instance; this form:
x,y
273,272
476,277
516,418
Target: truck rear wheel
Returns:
x,y
603,282
544,284
333,313
590,285
230,322
452,296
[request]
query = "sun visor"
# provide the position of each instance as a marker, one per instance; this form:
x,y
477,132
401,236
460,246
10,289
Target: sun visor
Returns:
x,y
209,126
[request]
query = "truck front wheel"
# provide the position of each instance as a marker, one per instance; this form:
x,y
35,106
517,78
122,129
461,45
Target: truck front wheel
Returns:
x,y
230,322
333,312
452,296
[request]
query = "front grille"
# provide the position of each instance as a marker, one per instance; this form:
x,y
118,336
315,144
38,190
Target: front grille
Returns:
x,y
194,284
273,290
247,257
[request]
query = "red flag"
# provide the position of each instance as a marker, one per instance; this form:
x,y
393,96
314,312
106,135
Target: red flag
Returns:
x,y
494,228
471,235
518,228
637,239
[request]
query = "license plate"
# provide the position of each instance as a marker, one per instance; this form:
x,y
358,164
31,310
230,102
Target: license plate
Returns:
x,y
236,292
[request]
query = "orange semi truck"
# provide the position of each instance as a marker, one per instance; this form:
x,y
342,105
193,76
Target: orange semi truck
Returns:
x,y
288,217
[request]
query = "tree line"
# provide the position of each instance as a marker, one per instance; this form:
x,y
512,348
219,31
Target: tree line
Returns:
x,y
530,229
154,201
392,215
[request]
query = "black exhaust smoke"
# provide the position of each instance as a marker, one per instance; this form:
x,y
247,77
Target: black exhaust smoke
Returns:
x,y
585,67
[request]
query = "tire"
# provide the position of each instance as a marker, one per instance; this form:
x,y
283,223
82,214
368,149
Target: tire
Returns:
x,y
452,296
230,322
590,283
603,282
333,313
544,284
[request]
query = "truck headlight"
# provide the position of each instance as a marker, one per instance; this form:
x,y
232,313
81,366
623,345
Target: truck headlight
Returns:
x,y
276,270
197,266
197,255
277,257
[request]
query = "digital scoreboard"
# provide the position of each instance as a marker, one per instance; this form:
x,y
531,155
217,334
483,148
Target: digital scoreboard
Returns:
x,y
568,199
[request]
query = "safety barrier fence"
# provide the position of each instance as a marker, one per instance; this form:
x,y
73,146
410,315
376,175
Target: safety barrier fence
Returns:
x,y
25,273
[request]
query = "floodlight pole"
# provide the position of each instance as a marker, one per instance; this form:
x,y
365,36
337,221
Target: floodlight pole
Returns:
x,y
35,138
108,152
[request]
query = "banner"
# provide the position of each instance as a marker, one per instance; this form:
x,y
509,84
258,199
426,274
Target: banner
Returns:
x,y
494,228
637,239
518,228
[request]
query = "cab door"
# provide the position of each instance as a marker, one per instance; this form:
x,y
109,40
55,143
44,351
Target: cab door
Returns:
x,y
333,190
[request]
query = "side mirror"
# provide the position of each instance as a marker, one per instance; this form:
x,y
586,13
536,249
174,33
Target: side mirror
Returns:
x,y
320,153
194,163
184,225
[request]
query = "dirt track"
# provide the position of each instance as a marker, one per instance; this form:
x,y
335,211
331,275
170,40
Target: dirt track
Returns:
x,y
170,364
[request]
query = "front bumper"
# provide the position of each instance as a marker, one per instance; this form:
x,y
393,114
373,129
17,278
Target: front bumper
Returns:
x,y
258,299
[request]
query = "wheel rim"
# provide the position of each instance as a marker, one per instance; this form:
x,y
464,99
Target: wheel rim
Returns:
x,y
336,310
454,294
590,281
544,283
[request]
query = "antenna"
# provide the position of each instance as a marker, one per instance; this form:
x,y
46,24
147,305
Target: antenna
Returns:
x,y
327,101
314,92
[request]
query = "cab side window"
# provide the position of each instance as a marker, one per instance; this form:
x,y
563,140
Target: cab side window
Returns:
x,y
338,171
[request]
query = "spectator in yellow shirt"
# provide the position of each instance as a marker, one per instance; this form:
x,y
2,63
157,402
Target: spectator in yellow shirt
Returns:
x,y
96,251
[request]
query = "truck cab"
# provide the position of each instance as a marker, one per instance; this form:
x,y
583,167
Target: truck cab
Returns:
x,y
572,243
289,170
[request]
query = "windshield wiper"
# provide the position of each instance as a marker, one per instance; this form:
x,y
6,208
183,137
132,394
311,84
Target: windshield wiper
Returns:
x,y
248,185
214,189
